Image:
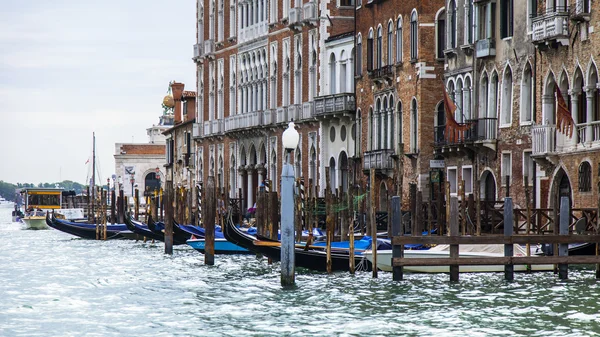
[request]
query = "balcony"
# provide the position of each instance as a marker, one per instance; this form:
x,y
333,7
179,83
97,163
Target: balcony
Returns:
x,y
308,110
485,48
213,128
295,17
198,52
551,26
282,115
335,104
209,48
310,13
242,121
543,138
197,130
295,111
383,73
481,134
268,117
380,160
253,32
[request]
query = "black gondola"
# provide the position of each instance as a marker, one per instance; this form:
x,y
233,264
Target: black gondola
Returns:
x,y
142,230
179,236
310,259
85,232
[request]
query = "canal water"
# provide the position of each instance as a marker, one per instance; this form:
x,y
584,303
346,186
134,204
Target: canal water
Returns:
x,y
52,284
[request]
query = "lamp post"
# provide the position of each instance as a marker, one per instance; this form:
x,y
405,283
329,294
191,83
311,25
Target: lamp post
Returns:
x,y
132,180
289,139
108,191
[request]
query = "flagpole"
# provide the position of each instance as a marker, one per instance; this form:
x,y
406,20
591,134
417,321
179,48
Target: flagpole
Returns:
x,y
93,183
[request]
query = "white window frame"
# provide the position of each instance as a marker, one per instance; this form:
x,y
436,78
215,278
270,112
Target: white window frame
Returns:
x,y
453,182
506,100
469,174
528,166
503,168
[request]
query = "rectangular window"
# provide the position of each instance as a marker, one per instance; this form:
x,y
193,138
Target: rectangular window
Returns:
x,y
347,3
467,177
452,179
506,168
528,173
506,19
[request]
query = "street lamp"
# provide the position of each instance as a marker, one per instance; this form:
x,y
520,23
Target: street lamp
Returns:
x,y
132,180
289,139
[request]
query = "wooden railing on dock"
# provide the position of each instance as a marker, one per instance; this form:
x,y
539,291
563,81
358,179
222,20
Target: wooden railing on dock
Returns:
x,y
564,236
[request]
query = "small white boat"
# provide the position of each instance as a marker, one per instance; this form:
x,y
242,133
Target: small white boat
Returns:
x,y
384,259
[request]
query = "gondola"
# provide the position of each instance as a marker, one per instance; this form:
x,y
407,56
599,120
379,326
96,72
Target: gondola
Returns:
x,y
179,236
142,230
85,231
309,259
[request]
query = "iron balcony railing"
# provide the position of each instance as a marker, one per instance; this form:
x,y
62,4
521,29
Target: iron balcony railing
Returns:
x,y
479,130
383,72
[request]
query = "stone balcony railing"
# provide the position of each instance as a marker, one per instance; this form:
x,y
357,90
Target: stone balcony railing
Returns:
x,y
310,12
382,72
382,160
543,139
268,117
252,32
214,127
337,103
485,47
282,114
242,121
198,51
308,110
552,25
197,131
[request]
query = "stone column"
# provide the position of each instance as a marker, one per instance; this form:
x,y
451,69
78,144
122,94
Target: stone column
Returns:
x,y
250,170
242,174
590,91
574,113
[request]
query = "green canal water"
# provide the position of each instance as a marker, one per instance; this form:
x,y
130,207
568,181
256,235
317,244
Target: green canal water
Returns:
x,y
52,284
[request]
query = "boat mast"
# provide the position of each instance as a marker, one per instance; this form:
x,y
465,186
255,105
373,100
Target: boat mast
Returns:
x,y
93,183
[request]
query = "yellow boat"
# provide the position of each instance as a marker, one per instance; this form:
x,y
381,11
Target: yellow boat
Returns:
x,y
37,202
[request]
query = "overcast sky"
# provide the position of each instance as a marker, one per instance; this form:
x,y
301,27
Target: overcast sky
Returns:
x,y
71,67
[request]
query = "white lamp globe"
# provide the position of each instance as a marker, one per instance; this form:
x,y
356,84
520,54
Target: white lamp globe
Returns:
x,y
290,137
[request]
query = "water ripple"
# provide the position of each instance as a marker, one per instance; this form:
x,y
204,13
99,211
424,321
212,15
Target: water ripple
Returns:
x,y
52,284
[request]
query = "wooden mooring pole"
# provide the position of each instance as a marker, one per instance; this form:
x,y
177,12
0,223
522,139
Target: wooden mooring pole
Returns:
x,y
329,219
509,269
454,231
563,248
397,230
168,204
210,209
373,221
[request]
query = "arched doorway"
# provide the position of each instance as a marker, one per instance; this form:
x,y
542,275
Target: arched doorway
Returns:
x,y
488,187
561,187
343,163
152,182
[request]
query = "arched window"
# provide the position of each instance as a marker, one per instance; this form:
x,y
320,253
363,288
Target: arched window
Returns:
x,y
379,48
359,55
372,130
507,101
585,177
399,40
384,125
343,168
414,36
414,126
343,70
332,74
526,94
440,123
377,130
440,30
392,121
493,97
370,50
390,41
399,121
452,24
332,174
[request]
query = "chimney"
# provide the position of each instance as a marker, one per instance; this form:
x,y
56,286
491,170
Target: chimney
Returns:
x,y
177,89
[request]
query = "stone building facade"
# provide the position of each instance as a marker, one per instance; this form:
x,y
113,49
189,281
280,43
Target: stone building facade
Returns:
x,y
567,60
398,87
260,66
